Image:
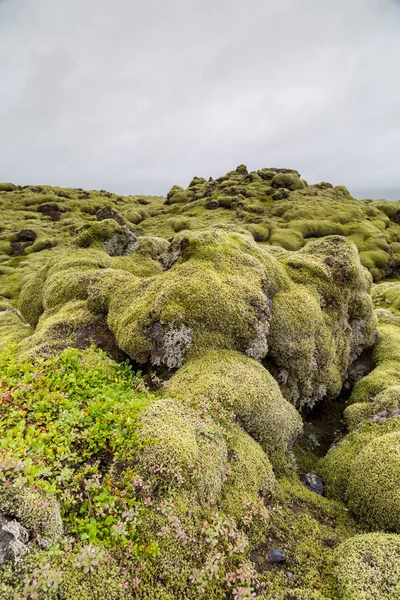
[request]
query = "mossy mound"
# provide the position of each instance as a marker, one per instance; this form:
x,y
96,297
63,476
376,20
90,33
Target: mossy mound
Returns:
x,y
253,394
321,326
308,528
37,512
377,394
12,327
363,470
183,454
368,567
307,314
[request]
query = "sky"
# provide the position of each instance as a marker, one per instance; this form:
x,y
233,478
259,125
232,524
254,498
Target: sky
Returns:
x,y
136,96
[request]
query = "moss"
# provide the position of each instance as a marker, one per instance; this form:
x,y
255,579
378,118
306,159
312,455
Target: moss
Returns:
x,y
207,267
373,487
182,453
103,582
286,238
73,325
318,228
308,527
256,399
311,353
297,337
291,181
368,567
384,402
39,513
249,475
38,571
180,224
7,187
386,373
362,470
107,235
259,232
12,328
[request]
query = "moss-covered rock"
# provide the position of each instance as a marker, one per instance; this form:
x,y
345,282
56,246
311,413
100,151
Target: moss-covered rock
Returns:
x,y
291,181
249,389
184,452
363,470
373,490
39,513
308,314
319,327
368,567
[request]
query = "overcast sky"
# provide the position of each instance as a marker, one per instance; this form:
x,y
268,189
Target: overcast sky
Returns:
x,y
134,96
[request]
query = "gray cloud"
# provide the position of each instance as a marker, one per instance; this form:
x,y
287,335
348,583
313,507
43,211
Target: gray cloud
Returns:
x,y
136,96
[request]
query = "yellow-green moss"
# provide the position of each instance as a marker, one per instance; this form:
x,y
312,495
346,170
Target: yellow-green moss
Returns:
x,y
307,527
39,513
253,393
373,491
184,451
12,328
368,567
249,475
363,471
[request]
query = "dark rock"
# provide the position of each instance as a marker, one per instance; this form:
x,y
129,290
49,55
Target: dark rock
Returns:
x,y
213,204
25,238
281,194
108,213
314,483
51,210
276,555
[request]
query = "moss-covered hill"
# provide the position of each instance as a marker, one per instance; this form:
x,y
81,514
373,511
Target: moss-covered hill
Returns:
x,y
171,368
274,205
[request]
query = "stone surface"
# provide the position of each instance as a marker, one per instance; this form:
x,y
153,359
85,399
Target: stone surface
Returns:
x,y
314,483
277,555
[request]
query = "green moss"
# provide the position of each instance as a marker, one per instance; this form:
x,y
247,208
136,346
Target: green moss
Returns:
x,y
259,232
310,353
249,475
12,328
291,181
386,373
7,187
73,325
182,453
213,265
39,513
180,224
286,238
362,469
254,395
368,567
373,486
318,228
63,577
308,527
